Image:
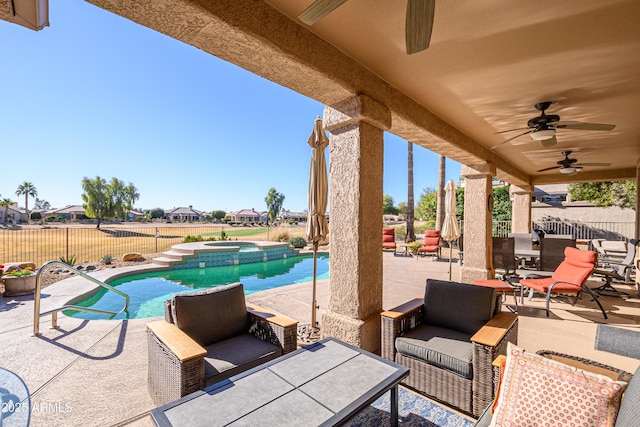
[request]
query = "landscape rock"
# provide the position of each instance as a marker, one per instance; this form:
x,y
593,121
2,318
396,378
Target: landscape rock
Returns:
x,y
132,256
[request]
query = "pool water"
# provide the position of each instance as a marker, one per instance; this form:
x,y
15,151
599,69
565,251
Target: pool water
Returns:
x,y
148,291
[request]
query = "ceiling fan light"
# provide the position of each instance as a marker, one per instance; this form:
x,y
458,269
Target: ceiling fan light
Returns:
x,y
541,135
569,171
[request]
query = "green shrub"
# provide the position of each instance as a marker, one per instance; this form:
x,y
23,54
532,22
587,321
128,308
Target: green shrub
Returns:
x,y
71,261
106,259
189,238
298,242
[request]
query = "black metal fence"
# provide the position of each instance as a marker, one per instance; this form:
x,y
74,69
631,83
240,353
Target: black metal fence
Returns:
x,y
40,245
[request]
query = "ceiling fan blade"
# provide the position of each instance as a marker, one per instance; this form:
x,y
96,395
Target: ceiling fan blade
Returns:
x,y
591,164
581,126
549,142
511,139
318,10
510,130
419,24
548,169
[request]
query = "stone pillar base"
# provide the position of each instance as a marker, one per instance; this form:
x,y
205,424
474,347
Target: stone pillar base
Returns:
x,y
364,334
469,275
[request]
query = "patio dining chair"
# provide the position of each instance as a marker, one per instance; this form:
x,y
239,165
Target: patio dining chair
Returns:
x,y
208,336
568,279
552,252
616,270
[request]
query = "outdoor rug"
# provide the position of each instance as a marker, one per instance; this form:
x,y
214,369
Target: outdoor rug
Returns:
x,y
414,410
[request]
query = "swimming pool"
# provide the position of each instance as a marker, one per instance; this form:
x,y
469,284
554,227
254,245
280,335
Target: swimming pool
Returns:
x,y
148,291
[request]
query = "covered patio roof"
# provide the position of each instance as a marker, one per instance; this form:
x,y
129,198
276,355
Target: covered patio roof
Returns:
x,y
487,65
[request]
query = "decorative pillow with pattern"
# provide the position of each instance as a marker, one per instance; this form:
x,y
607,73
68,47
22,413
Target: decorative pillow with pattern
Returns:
x,y
539,391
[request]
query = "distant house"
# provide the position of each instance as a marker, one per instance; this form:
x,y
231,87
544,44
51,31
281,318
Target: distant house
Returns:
x,y
77,213
247,215
69,213
135,215
294,216
14,214
183,214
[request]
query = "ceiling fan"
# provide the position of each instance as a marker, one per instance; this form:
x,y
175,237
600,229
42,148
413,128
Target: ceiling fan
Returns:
x,y
543,128
569,166
419,21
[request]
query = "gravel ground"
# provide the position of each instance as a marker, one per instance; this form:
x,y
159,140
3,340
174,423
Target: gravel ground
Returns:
x,y
54,274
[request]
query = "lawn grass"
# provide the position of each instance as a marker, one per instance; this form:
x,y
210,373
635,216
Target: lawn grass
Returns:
x,y
87,244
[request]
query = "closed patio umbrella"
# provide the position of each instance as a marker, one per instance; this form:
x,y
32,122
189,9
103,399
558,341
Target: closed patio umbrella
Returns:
x,y
450,228
317,227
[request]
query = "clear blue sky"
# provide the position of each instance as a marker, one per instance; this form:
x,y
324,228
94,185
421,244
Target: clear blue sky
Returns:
x,y
95,94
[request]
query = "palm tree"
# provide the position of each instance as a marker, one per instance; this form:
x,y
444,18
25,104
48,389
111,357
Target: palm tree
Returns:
x,y
28,189
5,203
441,177
411,235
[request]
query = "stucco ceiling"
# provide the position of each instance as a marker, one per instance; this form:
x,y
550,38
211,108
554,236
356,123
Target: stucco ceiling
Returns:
x,y
488,64
490,61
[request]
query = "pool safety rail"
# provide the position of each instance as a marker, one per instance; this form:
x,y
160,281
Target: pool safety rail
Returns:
x,y
54,312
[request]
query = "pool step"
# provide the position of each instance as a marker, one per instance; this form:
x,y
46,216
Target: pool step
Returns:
x,y
172,257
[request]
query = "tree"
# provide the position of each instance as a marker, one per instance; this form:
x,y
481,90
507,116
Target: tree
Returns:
x,y
402,208
502,205
218,215
131,195
427,205
387,205
604,194
27,189
41,204
410,208
97,199
5,203
155,213
274,202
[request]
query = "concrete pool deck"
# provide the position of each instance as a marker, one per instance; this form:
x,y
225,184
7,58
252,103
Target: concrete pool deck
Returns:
x,y
95,372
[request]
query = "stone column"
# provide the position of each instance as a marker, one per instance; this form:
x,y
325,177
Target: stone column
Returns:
x,y
478,207
521,208
636,261
356,165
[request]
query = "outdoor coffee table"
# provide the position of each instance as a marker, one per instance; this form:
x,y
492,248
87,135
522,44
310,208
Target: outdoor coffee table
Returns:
x,y
325,384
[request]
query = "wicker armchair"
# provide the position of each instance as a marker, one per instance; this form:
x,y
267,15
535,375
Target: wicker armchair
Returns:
x,y
448,340
208,336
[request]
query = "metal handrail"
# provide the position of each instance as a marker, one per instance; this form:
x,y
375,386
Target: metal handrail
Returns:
x,y
54,312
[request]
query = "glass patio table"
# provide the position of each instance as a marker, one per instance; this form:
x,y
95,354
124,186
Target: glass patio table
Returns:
x,y
323,384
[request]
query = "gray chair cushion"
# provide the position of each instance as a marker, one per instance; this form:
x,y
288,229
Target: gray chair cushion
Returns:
x,y
459,306
445,348
625,342
227,358
211,315
629,412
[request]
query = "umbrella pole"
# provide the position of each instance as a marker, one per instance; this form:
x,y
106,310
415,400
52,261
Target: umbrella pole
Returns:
x,y
314,303
450,255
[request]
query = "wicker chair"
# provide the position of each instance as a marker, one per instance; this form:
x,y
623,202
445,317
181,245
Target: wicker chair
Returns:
x,y
208,336
448,340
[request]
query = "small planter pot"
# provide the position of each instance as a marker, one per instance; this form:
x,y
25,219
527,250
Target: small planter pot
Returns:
x,y
19,285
